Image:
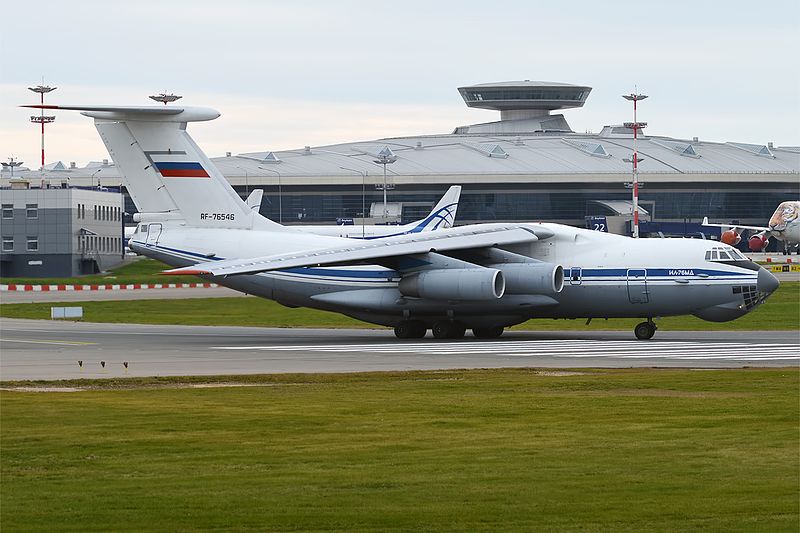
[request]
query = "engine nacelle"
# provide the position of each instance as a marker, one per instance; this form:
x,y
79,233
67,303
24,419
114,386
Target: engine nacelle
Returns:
x,y
757,243
532,278
455,284
730,237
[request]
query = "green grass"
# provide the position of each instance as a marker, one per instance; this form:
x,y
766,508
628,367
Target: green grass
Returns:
x,y
498,450
137,271
780,312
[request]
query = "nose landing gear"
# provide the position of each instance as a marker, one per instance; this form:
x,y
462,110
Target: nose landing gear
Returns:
x,y
645,330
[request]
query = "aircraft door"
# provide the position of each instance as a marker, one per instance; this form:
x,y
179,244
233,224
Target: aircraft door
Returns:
x,y
637,286
575,275
153,233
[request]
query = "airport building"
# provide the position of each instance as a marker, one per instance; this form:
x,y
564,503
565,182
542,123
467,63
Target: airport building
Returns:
x,y
527,166
58,232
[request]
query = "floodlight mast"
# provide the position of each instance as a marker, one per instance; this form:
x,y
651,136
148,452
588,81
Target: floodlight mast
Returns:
x,y
11,165
385,158
165,98
636,126
42,119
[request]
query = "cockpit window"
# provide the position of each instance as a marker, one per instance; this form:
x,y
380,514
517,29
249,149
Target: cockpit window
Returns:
x,y
724,254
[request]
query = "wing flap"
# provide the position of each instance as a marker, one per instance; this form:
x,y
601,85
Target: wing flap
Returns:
x,y
461,238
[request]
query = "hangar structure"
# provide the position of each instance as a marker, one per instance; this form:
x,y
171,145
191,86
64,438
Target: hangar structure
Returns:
x,y
527,166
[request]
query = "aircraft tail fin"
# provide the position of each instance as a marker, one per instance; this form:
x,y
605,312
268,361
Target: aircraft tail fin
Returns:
x,y
254,200
163,168
443,214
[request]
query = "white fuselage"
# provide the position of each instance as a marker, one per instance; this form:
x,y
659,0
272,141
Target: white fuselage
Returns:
x,y
606,276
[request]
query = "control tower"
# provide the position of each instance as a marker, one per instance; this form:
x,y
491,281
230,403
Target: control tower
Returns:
x,y
524,106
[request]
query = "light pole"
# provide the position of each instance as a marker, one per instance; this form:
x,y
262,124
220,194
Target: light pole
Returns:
x,y
91,178
385,157
636,126
246,180
280,193
363,197
12,164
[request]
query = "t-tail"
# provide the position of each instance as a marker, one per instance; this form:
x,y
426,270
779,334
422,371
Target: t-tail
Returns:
x,y
164,170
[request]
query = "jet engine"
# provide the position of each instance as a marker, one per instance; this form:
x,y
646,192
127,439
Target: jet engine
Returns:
x,y
730,237
455,284
758,243
532,278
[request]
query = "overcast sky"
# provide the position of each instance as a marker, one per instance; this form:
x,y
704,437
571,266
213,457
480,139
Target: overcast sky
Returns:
x,y
288,74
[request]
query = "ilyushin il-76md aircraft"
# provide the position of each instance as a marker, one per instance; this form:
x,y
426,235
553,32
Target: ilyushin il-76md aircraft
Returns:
x,y
784,225
483,277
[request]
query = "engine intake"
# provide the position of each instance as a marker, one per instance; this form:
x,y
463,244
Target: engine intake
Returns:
x,y
455,284
532,278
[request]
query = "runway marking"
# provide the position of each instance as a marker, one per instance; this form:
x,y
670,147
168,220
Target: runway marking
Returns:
x,y
570,348
57,343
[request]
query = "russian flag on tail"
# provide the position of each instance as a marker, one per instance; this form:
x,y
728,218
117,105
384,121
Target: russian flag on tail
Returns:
x,y
181,170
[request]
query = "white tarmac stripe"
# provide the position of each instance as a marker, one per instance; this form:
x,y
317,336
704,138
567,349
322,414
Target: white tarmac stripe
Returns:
x,y
562,349
526,345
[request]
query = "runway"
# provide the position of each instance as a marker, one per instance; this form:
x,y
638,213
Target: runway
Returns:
x,y
31,349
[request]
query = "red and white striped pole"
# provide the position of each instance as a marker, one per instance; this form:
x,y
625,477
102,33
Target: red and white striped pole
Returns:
x,y
636,127
42,119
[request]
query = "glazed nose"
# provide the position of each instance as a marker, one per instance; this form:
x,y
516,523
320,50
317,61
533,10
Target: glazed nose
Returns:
x,y
766,281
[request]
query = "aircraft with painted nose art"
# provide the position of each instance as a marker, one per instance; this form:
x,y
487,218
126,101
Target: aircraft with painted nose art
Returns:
x,y
784,225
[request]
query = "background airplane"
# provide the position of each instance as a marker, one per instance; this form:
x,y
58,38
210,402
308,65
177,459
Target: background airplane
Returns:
x,y
484,277
443,215
784,225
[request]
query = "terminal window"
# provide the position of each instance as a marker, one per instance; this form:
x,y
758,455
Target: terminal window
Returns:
x,y
32,210
8,244
8,210
33,244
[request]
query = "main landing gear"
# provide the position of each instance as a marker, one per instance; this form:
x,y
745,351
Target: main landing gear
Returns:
x,y
410,329
448,329
645,330
444,329
490,332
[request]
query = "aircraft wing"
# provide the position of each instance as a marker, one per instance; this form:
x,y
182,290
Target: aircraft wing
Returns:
x,y
729,226
460,238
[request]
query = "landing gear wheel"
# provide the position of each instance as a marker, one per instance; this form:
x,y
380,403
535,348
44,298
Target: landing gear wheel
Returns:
x,y
491,332
410,329
644,330
445,329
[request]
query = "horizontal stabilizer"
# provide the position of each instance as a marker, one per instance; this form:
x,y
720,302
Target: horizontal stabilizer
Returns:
x,y
461,238
149,113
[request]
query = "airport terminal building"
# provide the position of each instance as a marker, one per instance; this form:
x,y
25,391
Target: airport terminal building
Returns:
x,y
527,166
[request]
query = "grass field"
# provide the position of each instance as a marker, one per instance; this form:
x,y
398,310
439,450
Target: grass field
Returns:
x,y
497,450
780,312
